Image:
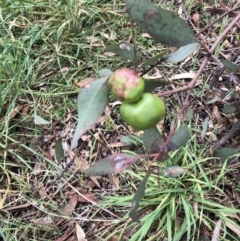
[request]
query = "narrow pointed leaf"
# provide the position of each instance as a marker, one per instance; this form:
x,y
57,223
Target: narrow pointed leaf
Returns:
x,y
163,26
231,66
112,164
181,53
59,150
225,152
152,60
180,137
204,127
173,171
91,103
39,120
149,136
124,49
138,196
228,109
189,114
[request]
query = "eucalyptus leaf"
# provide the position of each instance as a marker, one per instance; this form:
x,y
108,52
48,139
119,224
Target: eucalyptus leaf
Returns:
x,y
181,53
59,150
225,152
162,25
39,120
231,66
138,196
91,102
204,127
152,60
228,109
180,137
149,136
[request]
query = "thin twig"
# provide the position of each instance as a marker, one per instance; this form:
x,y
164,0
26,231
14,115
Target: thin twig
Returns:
x,y
211,51
215,21
234,130
135,47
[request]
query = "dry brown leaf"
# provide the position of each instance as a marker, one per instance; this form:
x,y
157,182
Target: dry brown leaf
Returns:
x,y
41,190
83,164
37,169
19,207
25,109
183,76
196,18
72,238
85,82
89,196
16,110
220,119
64,69
117,144
216,231
114,181
68,208
65,235
80,233
45,221
146,35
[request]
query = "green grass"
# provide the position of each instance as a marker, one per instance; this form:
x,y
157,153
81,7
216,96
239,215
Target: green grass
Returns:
x,y
46,47
182,208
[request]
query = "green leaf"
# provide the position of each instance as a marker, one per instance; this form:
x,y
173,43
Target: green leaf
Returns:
x,y
149,136
163,26
228,109
231,66
112,164
204,126
225,152
124,49
105,73
39,120
138,196
189,114
150,85
152,60
173,171
214,100
59,150
91,102
180,137
181,53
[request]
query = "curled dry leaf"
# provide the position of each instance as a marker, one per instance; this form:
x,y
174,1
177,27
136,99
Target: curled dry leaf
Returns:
x,y
196,18
68,208
220,119
41,190
80,233
85,82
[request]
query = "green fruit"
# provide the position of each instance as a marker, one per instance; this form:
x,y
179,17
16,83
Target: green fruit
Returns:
x,y
126,85
145,113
